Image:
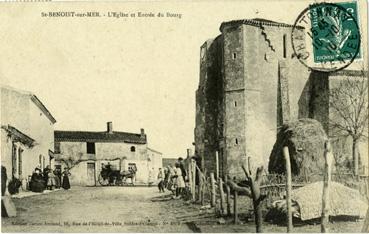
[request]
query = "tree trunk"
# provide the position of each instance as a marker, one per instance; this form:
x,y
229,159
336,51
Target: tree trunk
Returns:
x,y
355,156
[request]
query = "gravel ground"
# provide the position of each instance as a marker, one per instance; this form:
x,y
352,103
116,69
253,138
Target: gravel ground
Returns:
x,y
129,209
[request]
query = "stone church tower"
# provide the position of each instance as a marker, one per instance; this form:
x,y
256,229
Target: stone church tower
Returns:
x,y
243,94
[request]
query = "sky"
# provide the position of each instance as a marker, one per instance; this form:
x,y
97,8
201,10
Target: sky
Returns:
x,y
135,72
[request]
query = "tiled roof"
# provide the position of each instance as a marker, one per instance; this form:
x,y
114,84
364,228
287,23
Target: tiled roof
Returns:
x,y
83,136
19,136
257,22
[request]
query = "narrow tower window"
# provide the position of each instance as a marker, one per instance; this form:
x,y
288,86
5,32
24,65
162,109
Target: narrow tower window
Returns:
x,y
284,46
236,141
234,55
235,103
133,149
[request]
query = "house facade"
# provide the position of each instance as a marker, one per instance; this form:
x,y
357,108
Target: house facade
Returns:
x,y
250,84
85,153
27,133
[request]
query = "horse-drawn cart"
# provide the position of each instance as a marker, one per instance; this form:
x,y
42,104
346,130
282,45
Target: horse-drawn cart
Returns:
x,y
113,177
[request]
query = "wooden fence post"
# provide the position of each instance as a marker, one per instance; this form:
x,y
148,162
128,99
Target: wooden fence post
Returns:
x,y
203,188
189,173
199,189
288,188
221,193
235,212
228,197
217,165
365,227
213,195
194,180
327,177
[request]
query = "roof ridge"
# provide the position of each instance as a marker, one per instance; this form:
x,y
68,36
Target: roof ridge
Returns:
x,y
257,22
82,131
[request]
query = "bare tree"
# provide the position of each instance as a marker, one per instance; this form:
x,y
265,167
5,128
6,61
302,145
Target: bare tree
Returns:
x,y
348,101
251,188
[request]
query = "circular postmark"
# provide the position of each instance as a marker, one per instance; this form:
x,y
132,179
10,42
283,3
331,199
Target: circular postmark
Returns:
x,y
326,37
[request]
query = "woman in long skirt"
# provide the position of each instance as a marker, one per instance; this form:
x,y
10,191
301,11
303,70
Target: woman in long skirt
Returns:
x,y
66,174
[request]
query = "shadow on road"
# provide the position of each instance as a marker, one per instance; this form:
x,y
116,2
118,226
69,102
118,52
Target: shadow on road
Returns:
x,y
193,227
162,198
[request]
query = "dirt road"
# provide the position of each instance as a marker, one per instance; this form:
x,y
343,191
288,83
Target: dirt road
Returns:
x,y
94,209
129,209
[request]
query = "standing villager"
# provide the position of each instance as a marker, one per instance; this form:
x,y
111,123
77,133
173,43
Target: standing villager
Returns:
x,y
182,167
37,183
180,181
171,179
151,177
4,179
166,177
57,174
65,183
51,183
46,174
161,181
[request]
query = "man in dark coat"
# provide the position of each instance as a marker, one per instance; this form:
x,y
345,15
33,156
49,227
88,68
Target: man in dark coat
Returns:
x,y
4,178
46,174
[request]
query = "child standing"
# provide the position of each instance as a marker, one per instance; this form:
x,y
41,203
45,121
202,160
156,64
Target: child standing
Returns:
x,y
161,181
51,180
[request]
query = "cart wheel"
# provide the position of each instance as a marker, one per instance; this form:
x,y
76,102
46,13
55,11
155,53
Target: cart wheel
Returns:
x,y
102,181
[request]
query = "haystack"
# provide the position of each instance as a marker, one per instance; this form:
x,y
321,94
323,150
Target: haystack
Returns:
x,y
305,139
343,201
307,203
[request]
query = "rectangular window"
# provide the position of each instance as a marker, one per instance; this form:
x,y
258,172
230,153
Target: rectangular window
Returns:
x,y
57,147
90,147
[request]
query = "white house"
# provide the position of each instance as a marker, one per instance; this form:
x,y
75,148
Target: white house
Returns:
x,y
27,133
85,152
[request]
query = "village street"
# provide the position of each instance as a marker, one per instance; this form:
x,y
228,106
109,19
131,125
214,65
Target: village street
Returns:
x,y
95,209
128,209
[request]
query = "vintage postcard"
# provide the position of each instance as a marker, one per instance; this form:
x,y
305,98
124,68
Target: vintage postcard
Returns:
x,y
184,116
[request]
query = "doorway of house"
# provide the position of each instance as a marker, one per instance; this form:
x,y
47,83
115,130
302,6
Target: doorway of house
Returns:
x,y
91,174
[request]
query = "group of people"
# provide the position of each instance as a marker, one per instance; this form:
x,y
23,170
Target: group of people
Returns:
x,y
49,179
173,178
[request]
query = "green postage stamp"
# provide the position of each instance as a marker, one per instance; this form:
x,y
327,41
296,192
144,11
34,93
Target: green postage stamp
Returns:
x,y
335,32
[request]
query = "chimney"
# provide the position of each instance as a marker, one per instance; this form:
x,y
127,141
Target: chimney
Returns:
x,y
142,132
109,127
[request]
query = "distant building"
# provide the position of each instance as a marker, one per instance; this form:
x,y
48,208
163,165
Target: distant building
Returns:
x,y
169,161
250,84
86,152
27,133
155,159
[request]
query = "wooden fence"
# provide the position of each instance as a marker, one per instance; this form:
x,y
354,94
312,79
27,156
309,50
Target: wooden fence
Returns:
x,y
210,189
